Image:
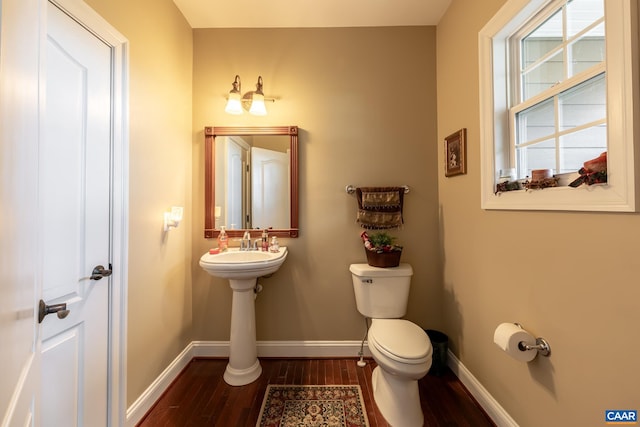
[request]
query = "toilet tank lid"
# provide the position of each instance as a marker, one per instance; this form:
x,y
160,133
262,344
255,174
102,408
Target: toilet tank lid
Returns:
x,y
370,271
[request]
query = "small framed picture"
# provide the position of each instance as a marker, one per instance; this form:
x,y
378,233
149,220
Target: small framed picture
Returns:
x,y
455,146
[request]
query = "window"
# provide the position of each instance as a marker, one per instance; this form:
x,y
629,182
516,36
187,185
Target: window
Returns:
x,y
559,111
554,94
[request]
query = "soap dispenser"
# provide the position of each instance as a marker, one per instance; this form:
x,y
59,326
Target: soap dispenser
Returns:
x,y
265,240
223,240
274,247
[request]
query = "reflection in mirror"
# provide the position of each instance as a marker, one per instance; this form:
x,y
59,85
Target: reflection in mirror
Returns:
x,y
251,180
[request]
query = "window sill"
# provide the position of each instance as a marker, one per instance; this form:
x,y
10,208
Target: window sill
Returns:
x,y
596,197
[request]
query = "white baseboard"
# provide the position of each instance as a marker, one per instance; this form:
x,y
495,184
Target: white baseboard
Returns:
x,y
285,349
482,396
304,349
145,401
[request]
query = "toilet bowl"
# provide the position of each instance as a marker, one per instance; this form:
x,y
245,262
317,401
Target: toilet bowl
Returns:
x,y
401,349
403,357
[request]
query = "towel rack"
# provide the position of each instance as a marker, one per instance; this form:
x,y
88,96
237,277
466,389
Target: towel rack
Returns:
x,y
350,189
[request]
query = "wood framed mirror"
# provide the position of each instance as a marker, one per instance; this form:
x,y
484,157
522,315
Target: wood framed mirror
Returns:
x,y
251,180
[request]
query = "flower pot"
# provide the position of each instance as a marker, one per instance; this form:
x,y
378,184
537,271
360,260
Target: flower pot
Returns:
x,y
383,259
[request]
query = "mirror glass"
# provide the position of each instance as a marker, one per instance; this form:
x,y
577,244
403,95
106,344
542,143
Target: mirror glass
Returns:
x,y
251,180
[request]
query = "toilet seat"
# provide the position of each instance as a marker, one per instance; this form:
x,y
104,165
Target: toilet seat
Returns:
x,y
400,340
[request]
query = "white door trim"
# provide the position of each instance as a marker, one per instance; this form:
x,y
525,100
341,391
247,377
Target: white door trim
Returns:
x,y
117,371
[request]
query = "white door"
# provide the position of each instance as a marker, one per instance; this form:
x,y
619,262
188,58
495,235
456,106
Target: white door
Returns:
x,y
19,74
235,165
74,231
270,189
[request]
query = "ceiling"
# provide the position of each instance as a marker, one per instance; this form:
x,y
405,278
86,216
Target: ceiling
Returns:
x,y
310,13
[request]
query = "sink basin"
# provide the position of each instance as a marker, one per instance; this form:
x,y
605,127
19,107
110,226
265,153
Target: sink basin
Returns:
x,y
237,264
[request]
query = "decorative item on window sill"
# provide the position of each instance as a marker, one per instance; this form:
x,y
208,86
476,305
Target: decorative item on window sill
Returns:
x,y
594,171
501,187
507,181
381,250
252,101
540,178
540,184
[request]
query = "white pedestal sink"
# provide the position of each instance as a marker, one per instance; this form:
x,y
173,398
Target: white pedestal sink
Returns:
x,y
242,268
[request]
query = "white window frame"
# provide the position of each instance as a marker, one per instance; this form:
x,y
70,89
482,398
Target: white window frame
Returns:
x,y
619,193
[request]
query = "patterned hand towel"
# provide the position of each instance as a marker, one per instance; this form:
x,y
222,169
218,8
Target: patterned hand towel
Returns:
x,y
380,207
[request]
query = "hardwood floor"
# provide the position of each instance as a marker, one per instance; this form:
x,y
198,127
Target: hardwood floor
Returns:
x,y
200,397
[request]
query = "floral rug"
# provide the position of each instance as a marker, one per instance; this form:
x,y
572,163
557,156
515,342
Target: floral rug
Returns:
x,y
312,405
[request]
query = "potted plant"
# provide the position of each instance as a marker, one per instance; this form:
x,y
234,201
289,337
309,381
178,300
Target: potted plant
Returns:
x,y
381,249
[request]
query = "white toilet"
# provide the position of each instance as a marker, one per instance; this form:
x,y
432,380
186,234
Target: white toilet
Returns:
x,y
401,349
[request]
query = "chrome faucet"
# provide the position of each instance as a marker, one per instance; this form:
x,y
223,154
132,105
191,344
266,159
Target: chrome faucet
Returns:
x,y
245,243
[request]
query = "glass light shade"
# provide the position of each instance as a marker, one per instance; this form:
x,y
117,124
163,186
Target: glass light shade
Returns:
x,y
234,105
257,105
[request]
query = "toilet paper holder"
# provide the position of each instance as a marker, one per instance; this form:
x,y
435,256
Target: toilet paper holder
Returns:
x,y
543,347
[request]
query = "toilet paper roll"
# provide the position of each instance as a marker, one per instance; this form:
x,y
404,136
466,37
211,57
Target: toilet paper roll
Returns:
x,y
508,335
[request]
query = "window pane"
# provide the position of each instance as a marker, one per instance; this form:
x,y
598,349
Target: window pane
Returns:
x,y
536,122
559,120
543,77
583,104
582,13
578,147
542,40
587,51
537,156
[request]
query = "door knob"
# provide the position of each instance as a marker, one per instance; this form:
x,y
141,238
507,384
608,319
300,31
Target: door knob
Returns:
x,y
99,272
44,309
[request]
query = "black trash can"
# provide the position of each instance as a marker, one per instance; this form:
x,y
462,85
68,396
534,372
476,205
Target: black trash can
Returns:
x,y
440,344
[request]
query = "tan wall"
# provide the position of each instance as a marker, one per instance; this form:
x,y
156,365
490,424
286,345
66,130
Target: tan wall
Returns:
x,y
159,293
364,100
569,277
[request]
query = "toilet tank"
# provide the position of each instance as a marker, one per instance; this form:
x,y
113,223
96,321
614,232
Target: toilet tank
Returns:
x,y
381,293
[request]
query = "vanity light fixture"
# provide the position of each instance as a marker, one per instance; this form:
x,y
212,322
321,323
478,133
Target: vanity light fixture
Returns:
x,y
172,219
234,103
252,101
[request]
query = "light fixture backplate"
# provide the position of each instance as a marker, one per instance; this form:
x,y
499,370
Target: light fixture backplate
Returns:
x,y
246,100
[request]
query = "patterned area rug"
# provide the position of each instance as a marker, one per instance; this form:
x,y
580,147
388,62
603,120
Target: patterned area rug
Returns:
x,y
312,405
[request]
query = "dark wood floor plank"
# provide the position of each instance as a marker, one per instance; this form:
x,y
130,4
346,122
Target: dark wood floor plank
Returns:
x,y
282,373
297,376
352,371
200,397
367,395
344,372
322,372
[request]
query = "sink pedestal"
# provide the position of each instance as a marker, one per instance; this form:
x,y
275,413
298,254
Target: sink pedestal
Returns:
x,y
242,268
243,367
